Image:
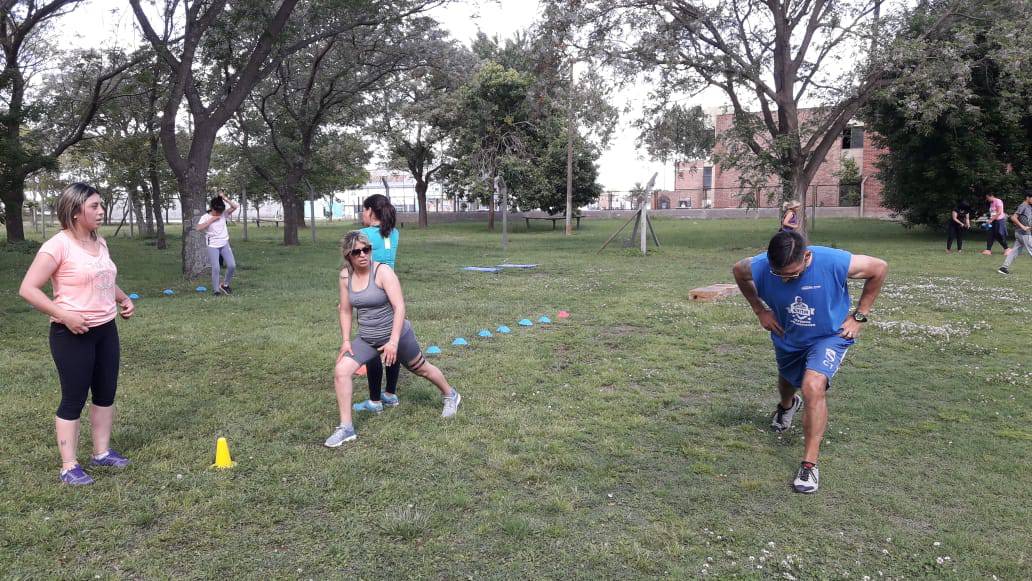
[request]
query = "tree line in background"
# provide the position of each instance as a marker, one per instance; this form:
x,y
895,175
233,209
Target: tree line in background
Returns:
x,y
277,100
945,83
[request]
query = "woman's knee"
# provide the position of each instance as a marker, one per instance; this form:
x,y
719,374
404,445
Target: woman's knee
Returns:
x,y
70,408
420,366
345,368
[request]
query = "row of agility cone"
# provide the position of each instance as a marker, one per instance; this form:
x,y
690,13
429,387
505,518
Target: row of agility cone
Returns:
x,y
502,329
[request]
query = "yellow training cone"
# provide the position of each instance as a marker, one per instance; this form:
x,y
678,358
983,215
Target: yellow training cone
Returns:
x,y
222,458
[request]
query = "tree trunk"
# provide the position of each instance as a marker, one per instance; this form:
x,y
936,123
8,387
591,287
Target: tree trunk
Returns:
x,y
490,210
421,187
147,225
14,199
137,207
152,166
154,191
194,250
289,199
243,202
299,210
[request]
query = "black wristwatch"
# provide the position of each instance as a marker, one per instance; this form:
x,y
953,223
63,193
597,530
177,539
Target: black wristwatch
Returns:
x,y
859,317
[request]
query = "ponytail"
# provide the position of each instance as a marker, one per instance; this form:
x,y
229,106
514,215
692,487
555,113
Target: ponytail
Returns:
x,y
384,212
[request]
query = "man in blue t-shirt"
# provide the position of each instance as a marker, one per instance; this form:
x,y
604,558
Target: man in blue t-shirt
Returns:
x,y
800,294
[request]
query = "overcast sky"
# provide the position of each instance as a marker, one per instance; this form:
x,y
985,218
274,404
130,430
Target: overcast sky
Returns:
x,y
98,23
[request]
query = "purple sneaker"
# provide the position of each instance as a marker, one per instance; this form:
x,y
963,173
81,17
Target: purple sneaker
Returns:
x,y
112,459
75,476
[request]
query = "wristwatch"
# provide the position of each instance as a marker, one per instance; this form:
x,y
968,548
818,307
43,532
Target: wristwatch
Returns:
x,y
859,317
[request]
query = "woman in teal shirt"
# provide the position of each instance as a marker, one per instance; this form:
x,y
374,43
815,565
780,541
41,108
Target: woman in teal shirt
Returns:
x,y
378,217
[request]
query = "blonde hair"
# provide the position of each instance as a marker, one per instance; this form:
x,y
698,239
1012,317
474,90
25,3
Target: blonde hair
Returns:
x,y
348,243
791,205
70,203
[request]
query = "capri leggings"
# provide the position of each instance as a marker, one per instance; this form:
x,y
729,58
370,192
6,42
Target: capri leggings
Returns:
x,y
409,353
87,362
225,253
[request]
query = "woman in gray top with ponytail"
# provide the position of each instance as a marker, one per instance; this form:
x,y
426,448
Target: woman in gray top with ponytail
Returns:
x,y
373,291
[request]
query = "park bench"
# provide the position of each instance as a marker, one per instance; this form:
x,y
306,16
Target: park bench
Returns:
x,y
554,220
258,222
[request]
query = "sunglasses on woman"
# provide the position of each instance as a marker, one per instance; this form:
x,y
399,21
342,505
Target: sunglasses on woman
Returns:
x,y
363,250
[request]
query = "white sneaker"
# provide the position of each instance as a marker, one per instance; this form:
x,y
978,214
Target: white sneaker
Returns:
x,y
340,435
782,419
806,480
451,404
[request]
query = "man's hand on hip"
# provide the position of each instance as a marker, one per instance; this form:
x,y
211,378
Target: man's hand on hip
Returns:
x,y
769,322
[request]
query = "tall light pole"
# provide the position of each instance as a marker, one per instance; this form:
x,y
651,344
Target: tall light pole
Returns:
x,y
570,122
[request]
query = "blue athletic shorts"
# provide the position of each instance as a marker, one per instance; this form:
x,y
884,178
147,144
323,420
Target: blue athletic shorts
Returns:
x,y
825,356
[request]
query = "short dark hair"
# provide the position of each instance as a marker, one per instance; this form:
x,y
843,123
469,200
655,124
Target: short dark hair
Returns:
x,y
1028,192
785,248
217,204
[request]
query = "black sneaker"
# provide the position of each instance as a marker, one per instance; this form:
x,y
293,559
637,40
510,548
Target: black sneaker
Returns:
x,y
1003,270
782,419
806,479
226,289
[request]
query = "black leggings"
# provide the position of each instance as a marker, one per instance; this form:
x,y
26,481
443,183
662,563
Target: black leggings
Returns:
x,y
955,232
997,233
87,362
374,372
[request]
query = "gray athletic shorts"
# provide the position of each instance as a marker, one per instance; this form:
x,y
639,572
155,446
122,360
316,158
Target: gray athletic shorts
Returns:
x,y
409,353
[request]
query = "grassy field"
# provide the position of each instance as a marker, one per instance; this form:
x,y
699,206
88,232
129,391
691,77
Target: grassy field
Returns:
x,y
628,441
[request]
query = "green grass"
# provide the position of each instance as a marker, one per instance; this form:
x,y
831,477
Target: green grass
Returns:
x,y
628,441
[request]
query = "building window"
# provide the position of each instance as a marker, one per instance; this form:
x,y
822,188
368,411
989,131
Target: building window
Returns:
x,y
853,138
707,177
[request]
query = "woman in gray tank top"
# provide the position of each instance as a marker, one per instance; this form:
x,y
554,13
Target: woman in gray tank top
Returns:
x,y
373,291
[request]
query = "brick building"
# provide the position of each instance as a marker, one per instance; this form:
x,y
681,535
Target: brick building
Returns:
x,y
702,184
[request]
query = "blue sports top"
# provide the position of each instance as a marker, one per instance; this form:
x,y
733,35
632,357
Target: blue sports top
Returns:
x,y
384,249
812,306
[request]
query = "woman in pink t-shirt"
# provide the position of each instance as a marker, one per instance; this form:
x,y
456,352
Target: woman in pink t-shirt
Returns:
x,y
83,335
997,225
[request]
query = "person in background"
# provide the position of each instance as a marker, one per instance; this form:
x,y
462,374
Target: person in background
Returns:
x,y
83,335
790,220
1022,219
997,225
960,220
379,217
213,224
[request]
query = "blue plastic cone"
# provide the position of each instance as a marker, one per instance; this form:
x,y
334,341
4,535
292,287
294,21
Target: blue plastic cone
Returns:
x,y
484,333
544,320
459,342
433,350
503,329
168,292
202,289
526,323
134,296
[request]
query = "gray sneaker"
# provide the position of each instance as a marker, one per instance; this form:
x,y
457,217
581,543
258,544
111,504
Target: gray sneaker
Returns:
x,y
339,436
451,404
782,419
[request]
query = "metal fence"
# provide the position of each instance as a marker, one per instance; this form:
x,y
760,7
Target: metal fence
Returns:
x,y
833,195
